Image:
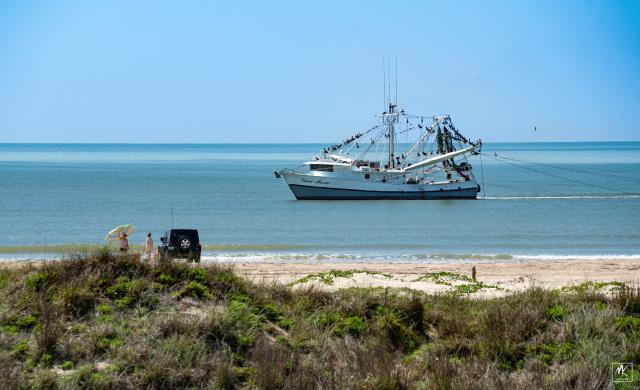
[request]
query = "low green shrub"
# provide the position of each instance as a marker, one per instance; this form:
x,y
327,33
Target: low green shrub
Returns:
x,y
77,328
108,342
398,331
285,323
223,282
76,300
556,312
165,279
246,340
243,374
354,325
588,286
444,277
124,302
26,322
329,276
198,274
628,299
269,311
38,280
551,352
44,378
119,289
46,359
9,329
14,325
600,305
245,316
327,318
628,324
460,284
104,308
196,290
21,350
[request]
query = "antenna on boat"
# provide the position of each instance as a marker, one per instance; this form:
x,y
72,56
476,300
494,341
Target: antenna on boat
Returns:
x,y
389,77
384,84
395,100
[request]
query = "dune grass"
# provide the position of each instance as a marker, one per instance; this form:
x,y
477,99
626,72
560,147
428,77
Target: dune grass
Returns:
x,y
105,321
329,277
460,284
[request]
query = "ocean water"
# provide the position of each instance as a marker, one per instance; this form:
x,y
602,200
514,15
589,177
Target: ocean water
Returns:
x,y
540,201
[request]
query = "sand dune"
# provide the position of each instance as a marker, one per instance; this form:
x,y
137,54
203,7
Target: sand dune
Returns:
x,y
507,276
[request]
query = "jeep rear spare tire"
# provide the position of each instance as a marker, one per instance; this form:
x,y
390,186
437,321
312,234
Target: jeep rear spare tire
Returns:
x,y
184,243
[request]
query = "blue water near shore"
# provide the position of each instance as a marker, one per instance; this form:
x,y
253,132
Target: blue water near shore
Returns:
x,y
582,202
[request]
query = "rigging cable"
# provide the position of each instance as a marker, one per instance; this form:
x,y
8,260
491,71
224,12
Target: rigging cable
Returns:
x,y
556,176
384,82
585,171
512,187
484,189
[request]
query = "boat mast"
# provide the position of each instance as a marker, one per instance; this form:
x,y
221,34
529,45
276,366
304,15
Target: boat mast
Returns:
x,y
391,134
389,118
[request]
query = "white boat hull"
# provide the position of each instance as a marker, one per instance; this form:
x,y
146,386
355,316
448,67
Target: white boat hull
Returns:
x,y
310,187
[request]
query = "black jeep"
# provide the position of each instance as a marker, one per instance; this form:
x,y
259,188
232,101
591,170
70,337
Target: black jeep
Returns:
x,y
180,244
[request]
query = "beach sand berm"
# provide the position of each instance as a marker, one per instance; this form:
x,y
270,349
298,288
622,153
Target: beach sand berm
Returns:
x,y
507,276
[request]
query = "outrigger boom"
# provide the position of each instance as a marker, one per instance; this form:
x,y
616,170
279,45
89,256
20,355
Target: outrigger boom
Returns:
x,y
440,158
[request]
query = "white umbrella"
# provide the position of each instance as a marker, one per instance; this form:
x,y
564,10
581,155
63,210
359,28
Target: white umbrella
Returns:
x,y
114,234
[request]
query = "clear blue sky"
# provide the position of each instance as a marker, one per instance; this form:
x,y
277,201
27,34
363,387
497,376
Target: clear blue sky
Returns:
x,y
207,71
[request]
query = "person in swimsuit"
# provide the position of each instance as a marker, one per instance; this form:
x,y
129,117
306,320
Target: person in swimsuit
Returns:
x,y
148,246
124,243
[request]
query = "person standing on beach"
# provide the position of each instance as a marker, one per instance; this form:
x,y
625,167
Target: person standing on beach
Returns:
x,y
124,243
148,246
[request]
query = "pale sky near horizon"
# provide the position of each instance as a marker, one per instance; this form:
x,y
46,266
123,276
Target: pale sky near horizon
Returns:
x,y
209,71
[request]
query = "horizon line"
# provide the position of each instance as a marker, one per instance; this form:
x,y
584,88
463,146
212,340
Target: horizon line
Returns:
x,y
277,143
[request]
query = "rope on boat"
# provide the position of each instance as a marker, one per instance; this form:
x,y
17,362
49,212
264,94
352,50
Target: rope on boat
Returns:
x,y
584,171
484,189
506,161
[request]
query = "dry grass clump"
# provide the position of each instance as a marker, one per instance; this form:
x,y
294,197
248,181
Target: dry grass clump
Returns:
x,y
107,321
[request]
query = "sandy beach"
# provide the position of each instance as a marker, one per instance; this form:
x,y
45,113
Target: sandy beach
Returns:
x,y
508,277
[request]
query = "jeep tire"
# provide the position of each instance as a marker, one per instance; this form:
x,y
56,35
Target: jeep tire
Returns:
x,y
184,243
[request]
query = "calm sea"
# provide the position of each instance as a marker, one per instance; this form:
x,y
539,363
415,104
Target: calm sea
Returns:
x,y
553,200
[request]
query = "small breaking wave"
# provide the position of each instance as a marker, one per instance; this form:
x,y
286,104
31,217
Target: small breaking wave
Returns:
x,y
401,258
314,253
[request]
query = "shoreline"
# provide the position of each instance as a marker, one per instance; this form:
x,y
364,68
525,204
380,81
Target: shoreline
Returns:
x,y
230,253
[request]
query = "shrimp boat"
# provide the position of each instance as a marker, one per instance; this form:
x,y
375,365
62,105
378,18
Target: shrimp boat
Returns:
x,y
382,162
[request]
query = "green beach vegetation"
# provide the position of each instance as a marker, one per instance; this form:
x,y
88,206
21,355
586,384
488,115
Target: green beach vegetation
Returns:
x,y
329,276
460,284
103,321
